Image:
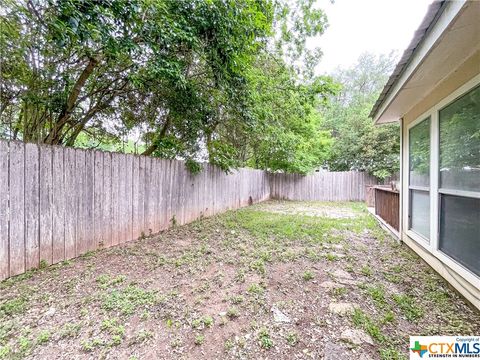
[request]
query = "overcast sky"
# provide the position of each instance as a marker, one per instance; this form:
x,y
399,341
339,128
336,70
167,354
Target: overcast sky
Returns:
x,y
357,26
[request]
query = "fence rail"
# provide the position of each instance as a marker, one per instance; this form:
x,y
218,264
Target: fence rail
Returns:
x,y
58,203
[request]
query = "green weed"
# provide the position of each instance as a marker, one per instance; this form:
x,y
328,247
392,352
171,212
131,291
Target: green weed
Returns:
x,y
264,338
128,300
292,338
14,306
204,321
362,320
255,289
70,330
407,304
366,270
199,339
308,275
43,337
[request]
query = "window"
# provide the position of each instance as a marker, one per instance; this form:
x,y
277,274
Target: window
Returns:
x,y
460,230
459,180
419,178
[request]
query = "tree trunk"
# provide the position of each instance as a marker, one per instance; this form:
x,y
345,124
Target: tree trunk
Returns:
x,y
149,151
54,135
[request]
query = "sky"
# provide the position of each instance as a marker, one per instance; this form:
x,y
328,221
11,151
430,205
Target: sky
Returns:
x,y
357,26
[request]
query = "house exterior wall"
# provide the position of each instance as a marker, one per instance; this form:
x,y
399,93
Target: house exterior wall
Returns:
x,y
467,284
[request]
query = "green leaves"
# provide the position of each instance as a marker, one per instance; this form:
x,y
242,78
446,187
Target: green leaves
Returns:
x,y
358,143
189,79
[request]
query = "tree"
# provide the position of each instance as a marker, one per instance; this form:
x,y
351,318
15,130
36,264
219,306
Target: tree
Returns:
x,y
358,143
104,68
283,133
188,78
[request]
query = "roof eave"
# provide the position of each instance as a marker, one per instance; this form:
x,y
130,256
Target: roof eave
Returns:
x,y
434,12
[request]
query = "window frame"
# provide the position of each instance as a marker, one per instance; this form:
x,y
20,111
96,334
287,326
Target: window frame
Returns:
x,y
419,238
435,192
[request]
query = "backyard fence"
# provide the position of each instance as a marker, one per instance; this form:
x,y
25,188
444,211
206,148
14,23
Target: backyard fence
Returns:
x,y
321,186
58,203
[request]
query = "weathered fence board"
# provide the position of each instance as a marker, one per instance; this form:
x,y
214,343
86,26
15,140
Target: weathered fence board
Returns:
x,y
46,207
17,208
58,203
387,205
4,210
32,203
98,199
71,201
107,207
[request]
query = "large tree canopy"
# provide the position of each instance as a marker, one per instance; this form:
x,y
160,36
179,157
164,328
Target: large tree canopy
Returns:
x,y
358,143
103,67
192,79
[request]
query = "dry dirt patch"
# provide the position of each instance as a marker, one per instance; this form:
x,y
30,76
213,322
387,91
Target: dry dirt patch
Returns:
x,y
315,209
268,281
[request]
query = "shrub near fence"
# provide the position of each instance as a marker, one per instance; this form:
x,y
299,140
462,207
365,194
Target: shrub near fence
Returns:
x,y
58,203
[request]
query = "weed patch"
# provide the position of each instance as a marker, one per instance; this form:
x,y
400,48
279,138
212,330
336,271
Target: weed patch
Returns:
x,y
408,306
129,299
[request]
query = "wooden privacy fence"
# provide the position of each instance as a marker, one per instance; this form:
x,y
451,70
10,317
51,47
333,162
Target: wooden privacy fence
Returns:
x,y
321,186
58,203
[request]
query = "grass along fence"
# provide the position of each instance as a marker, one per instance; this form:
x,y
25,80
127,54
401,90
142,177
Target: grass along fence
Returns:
x,y
59,203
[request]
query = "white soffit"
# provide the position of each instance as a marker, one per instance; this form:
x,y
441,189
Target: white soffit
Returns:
x,y
454,37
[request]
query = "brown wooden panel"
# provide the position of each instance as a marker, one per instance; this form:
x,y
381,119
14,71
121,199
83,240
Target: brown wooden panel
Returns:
x,y
88,201
168,191
387,206
149,202
163,194
135,195
81,245
140,200
128,206
107,212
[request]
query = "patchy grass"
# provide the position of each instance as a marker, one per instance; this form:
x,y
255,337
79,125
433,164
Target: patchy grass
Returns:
x,y
409,307
364,321
202,322
264,338
128,300
14,306
207,290
308,275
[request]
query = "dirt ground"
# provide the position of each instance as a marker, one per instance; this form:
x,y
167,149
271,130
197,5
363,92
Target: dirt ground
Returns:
x,y
278,280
